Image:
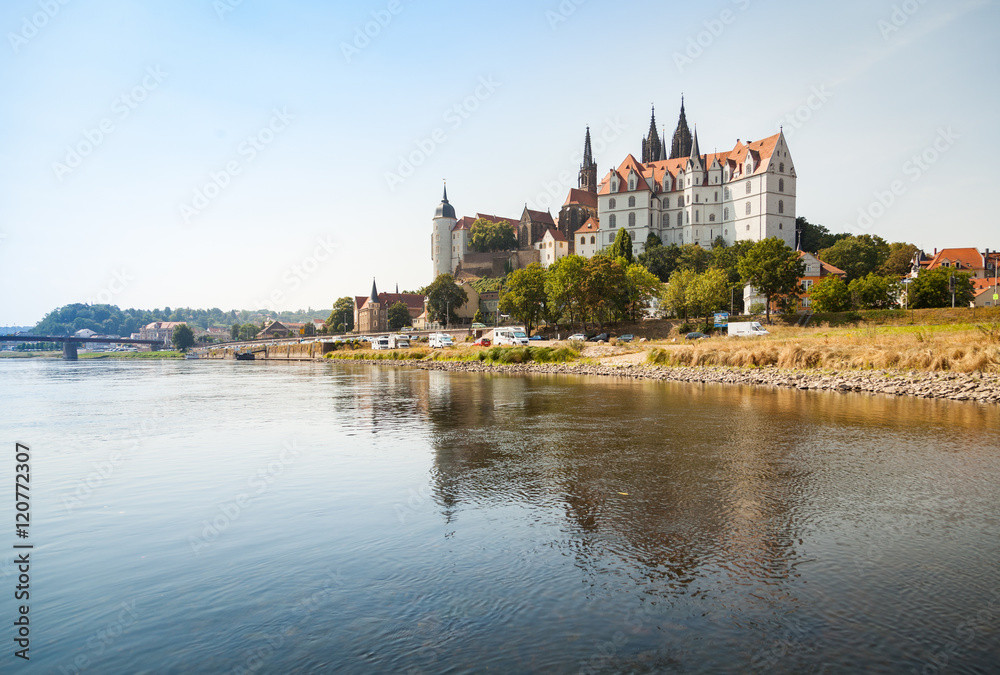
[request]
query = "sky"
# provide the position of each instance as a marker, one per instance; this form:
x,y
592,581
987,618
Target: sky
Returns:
x,y
246,154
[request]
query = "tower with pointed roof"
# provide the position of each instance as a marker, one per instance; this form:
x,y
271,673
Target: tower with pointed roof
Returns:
x,y
588,170
444,255
651,144
680,146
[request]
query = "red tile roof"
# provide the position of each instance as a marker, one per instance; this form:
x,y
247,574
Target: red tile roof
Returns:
x,y
581,197
497,219
590,226
556,234
540,217
960,258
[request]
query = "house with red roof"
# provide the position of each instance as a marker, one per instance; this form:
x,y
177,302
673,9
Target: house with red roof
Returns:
x,y
552,246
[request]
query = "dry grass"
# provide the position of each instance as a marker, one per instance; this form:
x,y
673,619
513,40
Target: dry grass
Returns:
x,y
955,348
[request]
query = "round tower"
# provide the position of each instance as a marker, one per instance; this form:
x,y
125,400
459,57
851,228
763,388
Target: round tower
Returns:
x,y
441,243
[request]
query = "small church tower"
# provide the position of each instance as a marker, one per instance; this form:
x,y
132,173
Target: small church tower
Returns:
x,y
588,170
441,244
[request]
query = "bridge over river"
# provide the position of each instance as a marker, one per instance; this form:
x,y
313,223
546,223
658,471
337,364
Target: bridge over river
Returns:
x,y
70,343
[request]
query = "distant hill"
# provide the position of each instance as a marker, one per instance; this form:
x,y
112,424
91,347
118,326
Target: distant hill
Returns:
x,y
10,330
110,320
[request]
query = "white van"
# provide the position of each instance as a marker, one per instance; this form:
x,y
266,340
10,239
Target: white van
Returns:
x,y
510,335
440,340
381,342
746,329
397,341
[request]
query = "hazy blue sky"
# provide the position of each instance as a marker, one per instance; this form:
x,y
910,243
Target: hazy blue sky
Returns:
x,y
319,150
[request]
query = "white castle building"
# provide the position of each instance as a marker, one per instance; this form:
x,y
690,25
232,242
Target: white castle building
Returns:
x,y
747,193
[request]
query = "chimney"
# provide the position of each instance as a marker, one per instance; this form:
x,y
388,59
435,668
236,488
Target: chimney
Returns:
x,y
935,250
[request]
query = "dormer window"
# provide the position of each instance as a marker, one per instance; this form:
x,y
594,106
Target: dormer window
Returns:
x,y
631,183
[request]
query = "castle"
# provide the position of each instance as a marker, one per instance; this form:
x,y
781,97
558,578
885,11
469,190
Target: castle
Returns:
x,y
684,197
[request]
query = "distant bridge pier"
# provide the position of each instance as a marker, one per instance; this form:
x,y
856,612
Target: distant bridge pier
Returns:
x,y
69,351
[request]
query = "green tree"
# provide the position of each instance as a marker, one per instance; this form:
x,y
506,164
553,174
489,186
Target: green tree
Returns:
x,y
485,236
931,288
605,289
642,287
622,246
652,241
343,312
830,295
694,257
309,329
900,259
674,298
398,316
564,286
660,260
524,295
707,292
813,238
478,316
773,269
444,297
858,255
234,331
248,331
183,337
874,292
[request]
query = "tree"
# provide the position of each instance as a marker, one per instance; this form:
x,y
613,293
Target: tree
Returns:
x,y
309,329
564,286
900,259
931,288
675,294
524,295
485,236
234,331
874,292
622,246
830,295
248,331
813,238
652,241
343,312
773,269
183,337
707,292
478,316
660,260
398,316
857,255
642,287
605,288
694,257
444,297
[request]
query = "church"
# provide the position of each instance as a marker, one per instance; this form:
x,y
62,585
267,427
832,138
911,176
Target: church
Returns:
x,y
677,193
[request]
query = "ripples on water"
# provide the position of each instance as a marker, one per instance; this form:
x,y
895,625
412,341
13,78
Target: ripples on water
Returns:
x,y
287,518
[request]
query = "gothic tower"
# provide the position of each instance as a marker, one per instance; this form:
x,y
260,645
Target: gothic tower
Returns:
x,y
681,145
651,143
588,170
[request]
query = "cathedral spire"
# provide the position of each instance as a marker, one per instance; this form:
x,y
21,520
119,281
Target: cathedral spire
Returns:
x,y
681,144
695,150
663,147
588,170
587,152
651,143
374,297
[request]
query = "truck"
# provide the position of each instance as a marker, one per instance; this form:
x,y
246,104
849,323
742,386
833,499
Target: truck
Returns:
x,y
746,329
397,341
380,342
510,335
440,340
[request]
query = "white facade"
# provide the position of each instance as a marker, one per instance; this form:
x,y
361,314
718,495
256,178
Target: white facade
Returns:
x,y
745,194
587,239
442,256
552,247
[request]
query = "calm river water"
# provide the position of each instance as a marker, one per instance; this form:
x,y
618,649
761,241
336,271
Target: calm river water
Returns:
x,y
228,517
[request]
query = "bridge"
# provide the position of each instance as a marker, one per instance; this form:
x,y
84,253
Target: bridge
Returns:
x,y
70,342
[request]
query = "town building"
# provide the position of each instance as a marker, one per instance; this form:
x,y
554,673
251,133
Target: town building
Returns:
x,y
816,271
586,239
371,312
552,246
163,331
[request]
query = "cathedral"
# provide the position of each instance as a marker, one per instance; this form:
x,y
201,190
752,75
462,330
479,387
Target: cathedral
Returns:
x,y
682,196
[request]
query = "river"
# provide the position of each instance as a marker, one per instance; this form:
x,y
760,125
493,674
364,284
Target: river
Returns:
x,y
217,517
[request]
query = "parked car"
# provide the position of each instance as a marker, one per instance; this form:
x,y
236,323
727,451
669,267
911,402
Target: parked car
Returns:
x,y
482,342
536,337
628,337
599,337
695,336
577,336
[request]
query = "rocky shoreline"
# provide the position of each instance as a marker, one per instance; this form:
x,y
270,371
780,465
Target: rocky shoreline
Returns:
x,y
979,387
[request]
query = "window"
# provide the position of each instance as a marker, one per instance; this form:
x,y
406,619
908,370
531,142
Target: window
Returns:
x,y
781,167
631,219
697,198
687,198
611,203
748,228
779,226
593,240
748,184
583,240
781,185
728,194
781,206
748,208
687,217
666,220
631,202
678,219
631,184
611,220
725,214
716,196
711,217
696,216
611,236
727,233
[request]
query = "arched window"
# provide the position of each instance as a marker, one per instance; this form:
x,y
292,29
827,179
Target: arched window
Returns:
x,y
711,217
781,185
687,217
725,214
631,184
678,219
631,202
583,240
728,194
592,239
779,226
631,219
611,220
781,206
781,167
748,184
666,220
748,208
611,203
